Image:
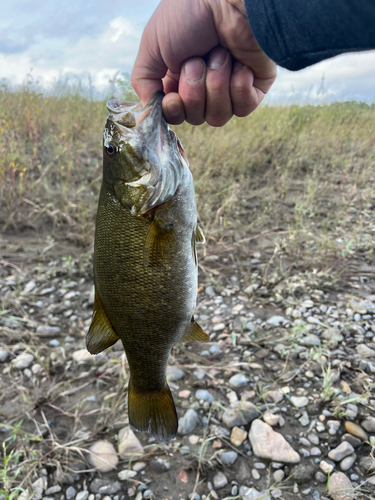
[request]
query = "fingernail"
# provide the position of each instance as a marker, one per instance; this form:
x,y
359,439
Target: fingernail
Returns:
x,y
237,66
174,108
193,70
217,58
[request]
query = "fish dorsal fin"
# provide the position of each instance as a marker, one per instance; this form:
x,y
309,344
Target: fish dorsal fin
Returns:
x,y
158,243
101,334
195,332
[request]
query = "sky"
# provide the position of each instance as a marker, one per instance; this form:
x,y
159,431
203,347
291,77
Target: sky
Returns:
x,y
54,39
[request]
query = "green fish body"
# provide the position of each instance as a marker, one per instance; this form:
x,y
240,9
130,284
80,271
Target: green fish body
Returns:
x,y
145,263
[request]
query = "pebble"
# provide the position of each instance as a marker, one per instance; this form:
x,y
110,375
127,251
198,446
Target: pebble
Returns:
x,y
188,422
204,395
148,494
129,445
299,402
343,450
304,420
348,462
274,396
103,455
276,320
237,436
315,451
267,443
82,495
228,457
313,438
245,413
199,373
238,381
23,361
320,477
54,343
174,373
47,331
193,439
333,427
83,356
110,488
210,291
70,493
159,464
185,394
364,351
3,354
369,424
356,430
302,473
126,474
271,419
340,487
220,480
326,467
138,466
278,475
255,474
53,489
355,442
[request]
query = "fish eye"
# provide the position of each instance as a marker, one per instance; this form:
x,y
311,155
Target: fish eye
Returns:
x,y
111,150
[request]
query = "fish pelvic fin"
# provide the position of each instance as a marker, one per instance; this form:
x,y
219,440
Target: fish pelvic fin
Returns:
x,y
195,332
158,243
101,333
153,412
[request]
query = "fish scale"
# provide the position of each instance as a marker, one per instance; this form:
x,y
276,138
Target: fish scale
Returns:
x,y
144,261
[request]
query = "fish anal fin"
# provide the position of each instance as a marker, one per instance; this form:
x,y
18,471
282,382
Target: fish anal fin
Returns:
x,y
101,333
153,412
158,243
195,332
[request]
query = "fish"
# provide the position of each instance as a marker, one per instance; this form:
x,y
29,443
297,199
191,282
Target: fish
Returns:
x,y
145,259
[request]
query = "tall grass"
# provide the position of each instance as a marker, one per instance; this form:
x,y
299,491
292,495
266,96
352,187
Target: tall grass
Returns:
x,y
303,173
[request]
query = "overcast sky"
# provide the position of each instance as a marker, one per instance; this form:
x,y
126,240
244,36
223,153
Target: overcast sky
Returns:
x,y
82,37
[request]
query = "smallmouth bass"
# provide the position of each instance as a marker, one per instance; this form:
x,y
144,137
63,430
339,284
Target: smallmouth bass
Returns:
x,y
145,262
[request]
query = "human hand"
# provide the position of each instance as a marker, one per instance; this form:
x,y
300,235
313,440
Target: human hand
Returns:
x,y
203,55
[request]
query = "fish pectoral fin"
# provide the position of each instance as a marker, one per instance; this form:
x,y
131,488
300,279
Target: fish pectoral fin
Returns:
x,y
158,243
199,236
195,332
153,412
101,333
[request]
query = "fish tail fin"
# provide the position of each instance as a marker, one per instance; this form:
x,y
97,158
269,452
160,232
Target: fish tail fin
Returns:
x,y
153,412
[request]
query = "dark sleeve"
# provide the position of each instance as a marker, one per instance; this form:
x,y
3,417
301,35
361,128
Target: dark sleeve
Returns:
x,y
298,33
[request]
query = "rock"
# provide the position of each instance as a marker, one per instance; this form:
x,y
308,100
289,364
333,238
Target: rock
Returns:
x,y
299,402
83,356
82,495
245,413
188,422
276,320
220,480
369,424
204,395
103,456
159,464
53,489
47,331
364,351
148,494
209,290
351,411
193,439
310,340
343,450
274,396
267,443
355,442
315,451
23,361
138,466
356,430
278,475
253,494
110,488
238,381
302,473
340,487
126,474
70,493
313,438
348,462
255,474
333,427
3,354
228,457
304,420
129,445
326,467
367,465
237,436
174,373
97,484
320,477
199,373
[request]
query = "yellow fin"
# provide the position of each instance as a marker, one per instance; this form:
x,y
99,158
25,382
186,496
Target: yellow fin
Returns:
x,y
199,236
153,412
101,334
158,243
195,332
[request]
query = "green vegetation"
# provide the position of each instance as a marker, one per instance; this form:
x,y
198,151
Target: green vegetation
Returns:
x,y
302,176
